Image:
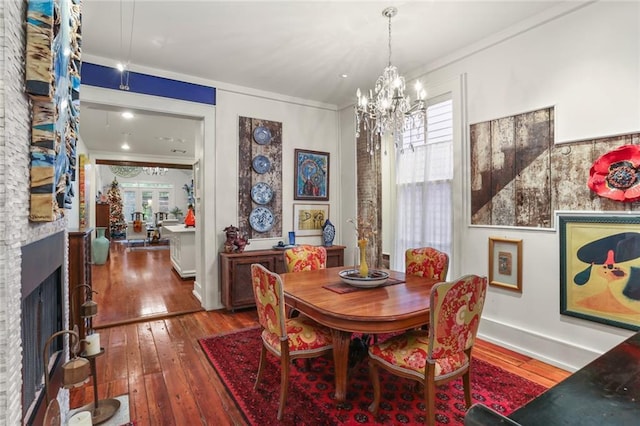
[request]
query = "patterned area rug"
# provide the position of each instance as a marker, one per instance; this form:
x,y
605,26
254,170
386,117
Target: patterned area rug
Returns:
x,y
235,357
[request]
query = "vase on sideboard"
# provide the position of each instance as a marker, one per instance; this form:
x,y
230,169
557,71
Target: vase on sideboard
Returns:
x,y
328,233
100,247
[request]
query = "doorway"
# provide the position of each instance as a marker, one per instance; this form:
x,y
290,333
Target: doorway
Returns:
x,y
200,117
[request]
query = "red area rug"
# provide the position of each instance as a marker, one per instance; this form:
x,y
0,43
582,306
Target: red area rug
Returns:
x,y
311,400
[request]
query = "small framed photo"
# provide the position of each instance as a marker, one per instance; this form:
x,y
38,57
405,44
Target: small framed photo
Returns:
x,y
505,263
309,218
311,175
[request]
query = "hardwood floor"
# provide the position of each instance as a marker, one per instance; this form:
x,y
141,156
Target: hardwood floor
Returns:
x,y
139,283
158,362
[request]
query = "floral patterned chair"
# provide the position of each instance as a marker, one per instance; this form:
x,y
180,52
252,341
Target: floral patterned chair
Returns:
x,y
305,258
427,262
285,338
443,352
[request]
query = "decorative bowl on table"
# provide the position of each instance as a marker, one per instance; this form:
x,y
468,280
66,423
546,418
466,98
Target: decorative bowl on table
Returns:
x,y
374,279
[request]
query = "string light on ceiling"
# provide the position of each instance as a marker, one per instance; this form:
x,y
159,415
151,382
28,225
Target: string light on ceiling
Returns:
x,y
387,109
124,67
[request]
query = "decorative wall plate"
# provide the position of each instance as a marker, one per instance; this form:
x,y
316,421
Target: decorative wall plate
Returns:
x,y
261,193
262,135
261,164
261,219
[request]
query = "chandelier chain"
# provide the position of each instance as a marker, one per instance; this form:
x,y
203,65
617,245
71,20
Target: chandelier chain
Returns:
x,y
389,16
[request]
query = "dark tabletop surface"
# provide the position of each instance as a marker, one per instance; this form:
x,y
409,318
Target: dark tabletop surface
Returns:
x,y
604,392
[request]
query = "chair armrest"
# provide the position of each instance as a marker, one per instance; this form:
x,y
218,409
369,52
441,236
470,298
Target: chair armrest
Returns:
x,y
481,415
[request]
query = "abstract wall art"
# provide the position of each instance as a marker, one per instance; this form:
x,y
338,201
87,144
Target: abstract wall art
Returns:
x,y
53,83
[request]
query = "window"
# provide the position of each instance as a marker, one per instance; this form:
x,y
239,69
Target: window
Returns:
x,y
424,178
147,198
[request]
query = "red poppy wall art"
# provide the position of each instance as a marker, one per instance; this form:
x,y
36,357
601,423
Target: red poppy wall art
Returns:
x,y
615,175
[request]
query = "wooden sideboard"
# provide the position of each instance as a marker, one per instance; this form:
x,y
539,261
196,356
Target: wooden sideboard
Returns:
x,y
235,272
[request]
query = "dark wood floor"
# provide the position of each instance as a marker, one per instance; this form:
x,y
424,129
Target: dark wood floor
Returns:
x,y
159,363
139,283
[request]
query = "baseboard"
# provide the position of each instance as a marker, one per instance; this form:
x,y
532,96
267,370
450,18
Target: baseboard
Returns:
x,y
547,349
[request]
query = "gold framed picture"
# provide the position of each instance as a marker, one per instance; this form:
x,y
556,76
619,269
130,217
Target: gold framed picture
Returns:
x,y
309,218
505,263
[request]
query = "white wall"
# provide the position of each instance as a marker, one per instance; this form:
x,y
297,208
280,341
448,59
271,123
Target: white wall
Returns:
x,y
303,126
586,64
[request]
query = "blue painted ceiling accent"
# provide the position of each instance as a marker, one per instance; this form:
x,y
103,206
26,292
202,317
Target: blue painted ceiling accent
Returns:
x,y
110,78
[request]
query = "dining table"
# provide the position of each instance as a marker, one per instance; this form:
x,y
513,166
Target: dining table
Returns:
x,y
401,303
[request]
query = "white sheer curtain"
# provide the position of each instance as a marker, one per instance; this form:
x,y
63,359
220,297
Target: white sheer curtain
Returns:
x,y
424,185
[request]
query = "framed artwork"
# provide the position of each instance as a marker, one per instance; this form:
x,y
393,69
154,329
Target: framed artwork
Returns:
x,y
600,269
309,218
505,263
311,175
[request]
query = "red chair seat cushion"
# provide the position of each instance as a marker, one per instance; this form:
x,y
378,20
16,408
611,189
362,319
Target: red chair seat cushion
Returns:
x,y
305,337
407,353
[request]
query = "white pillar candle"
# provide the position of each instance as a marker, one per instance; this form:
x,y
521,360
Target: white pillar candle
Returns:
x,y
92,344
81,418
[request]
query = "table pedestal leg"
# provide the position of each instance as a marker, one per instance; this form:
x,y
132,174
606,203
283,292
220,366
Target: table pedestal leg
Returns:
x,y
341,340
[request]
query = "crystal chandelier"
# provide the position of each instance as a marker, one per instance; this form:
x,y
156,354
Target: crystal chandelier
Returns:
x,y
155,171
386,109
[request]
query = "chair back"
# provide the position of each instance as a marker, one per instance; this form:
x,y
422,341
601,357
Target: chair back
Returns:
x,y
456,307
427,262
269,296
305,258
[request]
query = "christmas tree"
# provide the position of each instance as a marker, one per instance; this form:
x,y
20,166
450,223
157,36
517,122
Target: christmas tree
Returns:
x,y
116,217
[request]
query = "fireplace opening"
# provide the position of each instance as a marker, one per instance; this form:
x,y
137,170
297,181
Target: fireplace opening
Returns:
x,y
42,315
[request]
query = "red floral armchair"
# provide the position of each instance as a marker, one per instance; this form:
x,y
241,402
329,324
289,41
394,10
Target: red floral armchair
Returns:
x,y
427,262
305,258
443,352
285,338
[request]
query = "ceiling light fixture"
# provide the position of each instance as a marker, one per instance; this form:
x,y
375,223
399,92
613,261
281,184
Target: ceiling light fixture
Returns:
x,y
128,115
155,171
386,109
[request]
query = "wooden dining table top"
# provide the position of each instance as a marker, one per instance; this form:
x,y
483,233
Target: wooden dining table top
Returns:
x,y
382,309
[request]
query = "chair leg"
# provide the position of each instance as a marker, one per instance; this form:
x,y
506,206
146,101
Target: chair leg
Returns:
x,y
375,380
284,384
430,395
263,359
466,382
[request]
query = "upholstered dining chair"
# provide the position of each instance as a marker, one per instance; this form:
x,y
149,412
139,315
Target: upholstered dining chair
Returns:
x,y
427,262
443,352
305,258
286,338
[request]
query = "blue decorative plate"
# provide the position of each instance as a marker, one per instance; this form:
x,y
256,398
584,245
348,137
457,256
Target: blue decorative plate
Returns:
x,y
261,193
261,219
262,135
261,164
